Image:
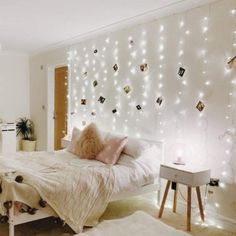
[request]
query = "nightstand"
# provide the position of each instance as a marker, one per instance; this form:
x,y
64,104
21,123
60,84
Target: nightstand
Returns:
x,y
192,177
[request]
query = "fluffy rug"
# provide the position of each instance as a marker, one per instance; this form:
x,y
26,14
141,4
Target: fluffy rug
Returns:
x,y
138,224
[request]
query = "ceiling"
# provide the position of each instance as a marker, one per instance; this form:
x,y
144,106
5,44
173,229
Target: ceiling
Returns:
x,y
32,25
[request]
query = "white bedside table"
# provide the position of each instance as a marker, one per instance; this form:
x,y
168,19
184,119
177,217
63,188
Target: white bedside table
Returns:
x,y
190,176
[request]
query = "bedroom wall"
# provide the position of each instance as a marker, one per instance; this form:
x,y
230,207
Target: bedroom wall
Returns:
x,y
14,86
201,41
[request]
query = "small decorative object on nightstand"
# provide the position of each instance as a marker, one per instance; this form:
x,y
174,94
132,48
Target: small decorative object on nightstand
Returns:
x,y
187,175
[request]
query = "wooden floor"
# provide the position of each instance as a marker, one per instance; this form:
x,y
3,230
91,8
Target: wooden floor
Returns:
x,y
124,208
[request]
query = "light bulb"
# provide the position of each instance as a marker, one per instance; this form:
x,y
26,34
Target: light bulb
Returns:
x,y
233,11
133,70
133,54
181,52
161,47
187,32
205,29
161,28
181,24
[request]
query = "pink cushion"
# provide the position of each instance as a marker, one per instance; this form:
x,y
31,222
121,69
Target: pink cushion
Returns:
x,y
111,153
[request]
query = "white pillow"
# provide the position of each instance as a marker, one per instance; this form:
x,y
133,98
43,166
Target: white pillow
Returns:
x,y
136,147
74,139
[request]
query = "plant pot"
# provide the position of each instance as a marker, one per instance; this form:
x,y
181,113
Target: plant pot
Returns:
x,y
28,146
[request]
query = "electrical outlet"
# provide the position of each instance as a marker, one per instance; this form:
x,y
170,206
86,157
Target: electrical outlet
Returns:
x,y
214,182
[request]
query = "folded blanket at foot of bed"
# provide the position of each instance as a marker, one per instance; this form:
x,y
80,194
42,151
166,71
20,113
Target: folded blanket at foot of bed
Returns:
x,y
138,224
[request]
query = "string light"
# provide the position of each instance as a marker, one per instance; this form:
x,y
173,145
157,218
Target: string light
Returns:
x,y
82,60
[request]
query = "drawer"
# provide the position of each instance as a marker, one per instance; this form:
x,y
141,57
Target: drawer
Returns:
x,y
176,175
185,177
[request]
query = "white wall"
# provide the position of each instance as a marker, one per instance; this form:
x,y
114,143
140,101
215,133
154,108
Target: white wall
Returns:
x,y
165,45
177,120
14,86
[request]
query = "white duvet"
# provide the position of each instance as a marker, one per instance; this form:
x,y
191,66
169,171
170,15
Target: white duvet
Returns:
x,y
77,190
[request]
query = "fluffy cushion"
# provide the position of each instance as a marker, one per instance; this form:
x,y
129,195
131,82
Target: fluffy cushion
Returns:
x,y
111,153
90,143
135,147
73,146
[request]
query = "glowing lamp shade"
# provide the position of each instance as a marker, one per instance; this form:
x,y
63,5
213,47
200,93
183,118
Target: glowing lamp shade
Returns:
x,y
180,153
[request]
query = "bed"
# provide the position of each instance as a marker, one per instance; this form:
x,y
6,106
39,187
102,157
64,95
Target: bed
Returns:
x,y
132,177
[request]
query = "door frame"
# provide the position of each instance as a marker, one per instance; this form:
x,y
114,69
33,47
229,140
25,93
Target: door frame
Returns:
x,y
50,103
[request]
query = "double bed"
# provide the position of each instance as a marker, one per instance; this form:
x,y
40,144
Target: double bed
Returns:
x,y
132,176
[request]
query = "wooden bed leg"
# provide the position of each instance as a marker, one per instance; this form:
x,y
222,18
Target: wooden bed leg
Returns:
x,y
11,229
11,221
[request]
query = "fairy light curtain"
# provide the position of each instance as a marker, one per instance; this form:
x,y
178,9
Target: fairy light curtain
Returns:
x,y
167,80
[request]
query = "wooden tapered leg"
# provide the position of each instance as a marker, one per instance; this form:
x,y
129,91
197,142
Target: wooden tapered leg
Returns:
x,y
189,209
200,203
164,199
175,199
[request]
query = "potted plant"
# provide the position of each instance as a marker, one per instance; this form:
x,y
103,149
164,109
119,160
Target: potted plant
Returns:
x,y
25,128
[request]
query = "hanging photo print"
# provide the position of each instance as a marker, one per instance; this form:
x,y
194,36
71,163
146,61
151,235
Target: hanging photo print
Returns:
x,y
181,71
200,106
101,99
138,107
144,67
95,83
95,51
159,101
93,113
83,101
127,89
114,111
85,74
115,67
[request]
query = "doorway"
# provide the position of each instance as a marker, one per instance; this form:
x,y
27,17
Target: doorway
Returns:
x,y
60,105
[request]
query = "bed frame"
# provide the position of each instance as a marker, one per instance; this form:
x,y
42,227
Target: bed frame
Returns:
x,y
46,212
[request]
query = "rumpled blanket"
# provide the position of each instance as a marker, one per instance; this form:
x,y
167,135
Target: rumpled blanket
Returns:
x,y
78,194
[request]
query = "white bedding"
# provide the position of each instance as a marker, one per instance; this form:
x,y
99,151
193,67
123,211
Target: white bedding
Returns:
x,y
129,173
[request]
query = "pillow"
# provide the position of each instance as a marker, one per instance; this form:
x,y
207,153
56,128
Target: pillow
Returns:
x,y
135,147
72,147
90,143
111,153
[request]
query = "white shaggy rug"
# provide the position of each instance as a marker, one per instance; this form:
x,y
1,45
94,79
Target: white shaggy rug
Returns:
x,y
138,224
